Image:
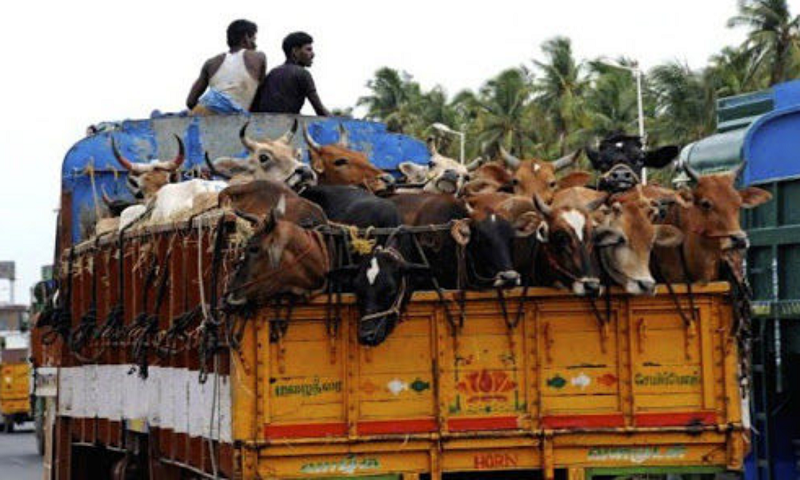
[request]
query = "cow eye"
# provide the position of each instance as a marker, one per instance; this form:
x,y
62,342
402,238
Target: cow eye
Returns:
x,y
705,204
553,184
340,161
431,165
263,158
253,249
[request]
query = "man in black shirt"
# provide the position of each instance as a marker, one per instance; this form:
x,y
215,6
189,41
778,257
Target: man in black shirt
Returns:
x,y
287,86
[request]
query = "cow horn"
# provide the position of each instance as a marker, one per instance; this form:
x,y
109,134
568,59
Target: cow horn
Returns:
x,y
213,169
178,160
546,209
473,165
289,135
252,219
691,172
344,138
122,160
246,141
106,199
566,160
511,161
310,141
737,172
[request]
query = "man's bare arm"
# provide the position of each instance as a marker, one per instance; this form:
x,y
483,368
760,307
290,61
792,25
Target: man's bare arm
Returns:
x,y
198,87
313,97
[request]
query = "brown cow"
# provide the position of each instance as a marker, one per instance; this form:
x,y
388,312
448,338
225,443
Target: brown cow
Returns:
x,y
260,196
280,258
564,257
336,164
144,180
709,220
537,177
625,239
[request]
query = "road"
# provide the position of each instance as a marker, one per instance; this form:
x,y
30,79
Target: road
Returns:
x,y
18,457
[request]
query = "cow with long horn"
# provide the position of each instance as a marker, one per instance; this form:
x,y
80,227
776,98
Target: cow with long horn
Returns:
x,y
533,176
338,164
275,160
144,180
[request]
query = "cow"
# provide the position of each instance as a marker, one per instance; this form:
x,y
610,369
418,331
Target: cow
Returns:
x,y
533,176
144,180
260,196
440,175
620,159
708,216
487,178
564,257
276,160
337,164
625,238
280,258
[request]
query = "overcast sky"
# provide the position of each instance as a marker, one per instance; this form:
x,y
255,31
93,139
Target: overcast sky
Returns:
x,y
68,64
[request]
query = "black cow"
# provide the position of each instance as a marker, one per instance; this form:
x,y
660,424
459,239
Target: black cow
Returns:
x,y
620,159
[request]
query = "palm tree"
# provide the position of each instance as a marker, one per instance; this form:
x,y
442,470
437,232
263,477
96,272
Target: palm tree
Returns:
x,y
684,103
733,71
560,89
500,108
773,37
611,101
394,99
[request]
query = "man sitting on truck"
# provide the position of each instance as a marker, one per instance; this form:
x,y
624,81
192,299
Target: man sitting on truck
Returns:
x,y
287,86
230,80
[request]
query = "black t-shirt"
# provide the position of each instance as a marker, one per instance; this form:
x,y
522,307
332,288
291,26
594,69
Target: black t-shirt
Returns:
x,y
284,90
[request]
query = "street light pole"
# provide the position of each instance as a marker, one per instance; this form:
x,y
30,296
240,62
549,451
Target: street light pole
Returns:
x,y
637,74
461,136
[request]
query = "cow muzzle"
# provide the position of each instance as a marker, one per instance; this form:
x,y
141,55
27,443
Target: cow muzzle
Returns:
x,y
302,177
507,279
448,181
739,241
587,287
620,178
643,286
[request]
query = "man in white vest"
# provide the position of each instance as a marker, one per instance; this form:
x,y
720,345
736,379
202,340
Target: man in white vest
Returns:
x,y
228,81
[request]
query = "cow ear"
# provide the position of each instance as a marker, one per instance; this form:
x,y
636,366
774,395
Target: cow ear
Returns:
x,y
575,179
542,232
317,164
409,169
460,232
608,237
298,154
686,196
668,236
593,156
754,196
662,157
526,224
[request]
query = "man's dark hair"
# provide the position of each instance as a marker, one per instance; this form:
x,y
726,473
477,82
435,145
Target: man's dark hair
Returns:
x,y
295,39
238,30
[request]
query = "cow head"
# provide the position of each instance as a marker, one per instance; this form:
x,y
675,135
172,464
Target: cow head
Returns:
x,y
337,164
279,258
278,160
488,178
620,159
488,239
713,209
146,179
625,240
440,175
566,238
537,177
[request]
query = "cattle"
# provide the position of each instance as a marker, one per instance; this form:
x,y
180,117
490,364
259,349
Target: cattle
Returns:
x,y
620,159
708,216
440,175
280,258
276,160
144,180
533,177
489,177
564,257
260,196
625,238
337,164
353,206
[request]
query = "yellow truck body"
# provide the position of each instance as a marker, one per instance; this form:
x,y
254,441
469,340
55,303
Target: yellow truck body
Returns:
x,y
559,390
14,389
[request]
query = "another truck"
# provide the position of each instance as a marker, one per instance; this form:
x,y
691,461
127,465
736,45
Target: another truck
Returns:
x,y
15,374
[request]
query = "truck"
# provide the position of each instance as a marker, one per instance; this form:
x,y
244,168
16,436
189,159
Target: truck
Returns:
x,y
15,373
535,383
